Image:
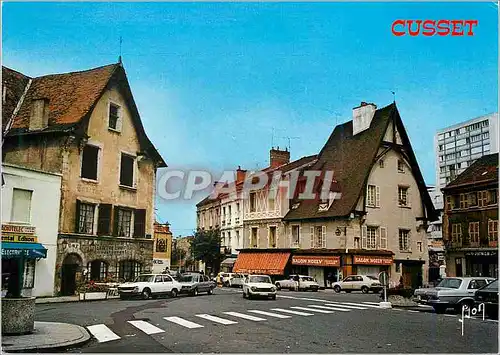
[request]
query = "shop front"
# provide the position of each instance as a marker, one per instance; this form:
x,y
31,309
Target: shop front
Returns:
x,y
272,263
371,265
481,263
324,268
227,264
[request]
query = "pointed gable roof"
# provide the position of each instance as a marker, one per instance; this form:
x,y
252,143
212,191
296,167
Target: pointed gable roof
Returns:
x,y
351,158
14,85
483,170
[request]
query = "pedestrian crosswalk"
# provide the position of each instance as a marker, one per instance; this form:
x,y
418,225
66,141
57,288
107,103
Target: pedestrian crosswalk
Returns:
x,y
103,333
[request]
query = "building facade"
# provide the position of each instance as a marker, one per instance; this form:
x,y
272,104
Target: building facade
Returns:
x,y
470,222
85,126
435,243
30,221
162,253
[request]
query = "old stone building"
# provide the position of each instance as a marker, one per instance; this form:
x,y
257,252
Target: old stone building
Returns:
x,y
86,126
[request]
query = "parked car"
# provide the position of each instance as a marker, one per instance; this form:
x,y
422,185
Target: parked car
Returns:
x,y
258,286
298,282
148,285
233,280
194,283
488,295
221,277
451,292
363,283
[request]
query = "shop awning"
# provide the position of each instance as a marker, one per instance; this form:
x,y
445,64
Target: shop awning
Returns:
x,y
228,262
27,250
261,263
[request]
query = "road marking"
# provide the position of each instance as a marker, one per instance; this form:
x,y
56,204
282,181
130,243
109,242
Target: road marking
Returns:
x,y
357,304
276,315
244,316
102,333
146,327
292,312
343,306
330,308
312,309
183,322
411,311
449,315
216,319
397,309
377,303
303,298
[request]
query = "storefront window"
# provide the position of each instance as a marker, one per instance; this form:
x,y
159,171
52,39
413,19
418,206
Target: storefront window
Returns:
x,y
29,274
97,270
129,270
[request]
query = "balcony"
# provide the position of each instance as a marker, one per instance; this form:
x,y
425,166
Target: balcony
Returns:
x,y
223,223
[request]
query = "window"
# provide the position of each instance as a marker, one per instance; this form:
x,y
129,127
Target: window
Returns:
x,y
253,241
371,237
371,198
419,246
493,200
403,196
129,270
21,206
475,284
482,198
114,117
381,163
474,232
456,233
472,199
492,230
356,243
140,223
486,135
29,274
252,201
123,221
272,237
85,214
90,158
463,201
401,166
97,270
127,170
238,208
237,239
318,237
295,235
404,240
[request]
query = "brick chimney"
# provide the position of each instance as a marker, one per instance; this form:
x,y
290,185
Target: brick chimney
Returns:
x,y
362,117
162,228
39,116
278,157
240,174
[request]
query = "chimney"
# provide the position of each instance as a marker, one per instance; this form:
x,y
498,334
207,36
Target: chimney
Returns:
x,y
278,157
240,175
362,117
39,118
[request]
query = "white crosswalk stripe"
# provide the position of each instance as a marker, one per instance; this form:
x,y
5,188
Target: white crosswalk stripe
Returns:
x,y
330,308
244,316
183,322
292,312
343,306
216,319
146,327
357,304
275,315
376,303
102,333
311,309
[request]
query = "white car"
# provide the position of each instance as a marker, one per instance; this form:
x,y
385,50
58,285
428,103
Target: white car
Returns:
x,y
258,286
361,283
298,282
148,285
233,280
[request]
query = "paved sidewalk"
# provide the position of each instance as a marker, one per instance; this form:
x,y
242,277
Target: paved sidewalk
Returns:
x,y
57,299
47,335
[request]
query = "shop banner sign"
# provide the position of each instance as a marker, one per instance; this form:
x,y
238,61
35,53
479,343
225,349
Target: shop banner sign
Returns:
x,y
316,260
19,238
260,271
28,253
481,253
372,260
10,228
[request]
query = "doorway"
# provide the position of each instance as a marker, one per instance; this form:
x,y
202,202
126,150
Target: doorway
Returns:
x,y
71,265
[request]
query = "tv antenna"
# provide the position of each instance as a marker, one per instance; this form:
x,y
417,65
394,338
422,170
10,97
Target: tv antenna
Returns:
x,y
120,57
393,95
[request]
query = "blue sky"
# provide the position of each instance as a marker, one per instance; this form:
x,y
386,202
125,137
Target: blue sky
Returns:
x,y
212,81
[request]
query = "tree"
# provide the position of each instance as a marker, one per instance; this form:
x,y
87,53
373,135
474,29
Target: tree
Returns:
x,y
205,246
177,256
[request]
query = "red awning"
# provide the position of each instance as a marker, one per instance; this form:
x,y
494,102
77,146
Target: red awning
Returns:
x,y
261,263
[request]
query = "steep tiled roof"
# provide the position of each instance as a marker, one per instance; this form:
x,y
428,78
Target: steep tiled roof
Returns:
x,y
14,84
483,170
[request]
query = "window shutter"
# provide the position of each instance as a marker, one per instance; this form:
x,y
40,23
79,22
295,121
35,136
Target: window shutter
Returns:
x,y
119,120
140,223
383,238
77,216
363,237
115,222
104,220
377,196
323,236
312,236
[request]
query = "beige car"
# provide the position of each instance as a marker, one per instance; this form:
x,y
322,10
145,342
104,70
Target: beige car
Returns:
x,y
361,283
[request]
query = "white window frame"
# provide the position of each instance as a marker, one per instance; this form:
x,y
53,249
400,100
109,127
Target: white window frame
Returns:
x,y
292,242
98,145
456,233
30,207
493,230
275,236
119,122
131,231
256,245
474,232
406,195
406,247
96,215
401,163
134,170
375,229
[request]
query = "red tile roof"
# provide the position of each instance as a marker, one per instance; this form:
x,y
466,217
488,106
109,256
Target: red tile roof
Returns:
x,y
14,84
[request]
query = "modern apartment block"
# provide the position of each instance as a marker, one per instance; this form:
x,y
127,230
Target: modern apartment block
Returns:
x,y
458,146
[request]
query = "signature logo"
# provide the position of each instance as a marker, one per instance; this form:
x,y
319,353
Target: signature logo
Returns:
x,y
467,311
434,27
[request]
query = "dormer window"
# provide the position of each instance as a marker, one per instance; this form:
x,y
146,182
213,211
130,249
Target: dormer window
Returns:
x,y
401,166
114,117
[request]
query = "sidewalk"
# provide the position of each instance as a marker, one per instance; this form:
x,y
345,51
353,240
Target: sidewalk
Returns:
x,y
57,299
47,335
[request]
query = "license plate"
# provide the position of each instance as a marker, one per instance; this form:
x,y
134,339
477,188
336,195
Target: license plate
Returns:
x,y
419,297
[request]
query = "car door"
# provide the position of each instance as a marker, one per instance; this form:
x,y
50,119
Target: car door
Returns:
x,y
358,283
158,285
168,283
475,284
347,283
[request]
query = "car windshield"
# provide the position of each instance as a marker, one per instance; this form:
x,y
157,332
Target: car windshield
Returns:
x,y
144,278
188,278
265,279
372,277
492,286
450,283
307,278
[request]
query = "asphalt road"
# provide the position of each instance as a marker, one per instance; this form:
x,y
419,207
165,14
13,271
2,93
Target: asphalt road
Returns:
x,y
355,325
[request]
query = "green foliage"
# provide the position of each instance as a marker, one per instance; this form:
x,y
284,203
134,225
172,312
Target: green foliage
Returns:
x,y
205,246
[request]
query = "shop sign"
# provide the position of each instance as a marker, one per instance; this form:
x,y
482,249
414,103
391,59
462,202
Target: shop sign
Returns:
x,y
480,253
19,238
437,244
372,260
158,261
10,228
31,253
316,260
260,271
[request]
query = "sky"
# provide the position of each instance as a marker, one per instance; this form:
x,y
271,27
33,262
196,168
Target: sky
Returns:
x,y
217,84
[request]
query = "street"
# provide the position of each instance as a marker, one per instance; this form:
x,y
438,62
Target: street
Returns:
x,y
297,322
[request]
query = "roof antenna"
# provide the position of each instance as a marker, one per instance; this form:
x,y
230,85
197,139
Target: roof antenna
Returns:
x,y
394,96
120,57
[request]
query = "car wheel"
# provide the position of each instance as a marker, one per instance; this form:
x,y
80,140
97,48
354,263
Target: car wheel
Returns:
x,y
173,293
278,286
244,294
210,291
146,294
364,289
195,292
439,309
273,297
337,288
